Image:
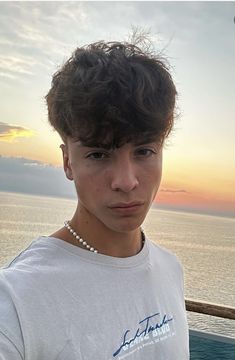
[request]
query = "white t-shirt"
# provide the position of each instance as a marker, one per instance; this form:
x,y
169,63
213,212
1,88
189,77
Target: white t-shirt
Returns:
x,y
61,302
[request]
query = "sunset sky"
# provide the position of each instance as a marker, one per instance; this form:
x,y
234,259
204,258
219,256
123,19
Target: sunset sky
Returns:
x,y
199,40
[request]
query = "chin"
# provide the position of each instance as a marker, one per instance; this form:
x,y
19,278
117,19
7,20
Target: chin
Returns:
x,y
126,226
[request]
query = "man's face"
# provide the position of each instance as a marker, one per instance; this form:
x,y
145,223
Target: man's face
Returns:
x,y
115,187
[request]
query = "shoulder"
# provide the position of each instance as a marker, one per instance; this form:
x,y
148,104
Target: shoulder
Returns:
x,y
41,254
32,253
21,282
168,267
27,268
18,269
165,258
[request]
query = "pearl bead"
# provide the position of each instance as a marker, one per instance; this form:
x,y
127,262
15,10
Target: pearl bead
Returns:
x,y
84,243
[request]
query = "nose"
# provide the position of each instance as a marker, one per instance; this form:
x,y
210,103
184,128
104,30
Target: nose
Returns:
x,y
124,176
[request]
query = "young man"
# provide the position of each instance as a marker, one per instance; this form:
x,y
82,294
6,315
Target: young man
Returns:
x,y
98,288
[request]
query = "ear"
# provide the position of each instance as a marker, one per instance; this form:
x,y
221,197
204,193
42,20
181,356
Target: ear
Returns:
x,y
66,162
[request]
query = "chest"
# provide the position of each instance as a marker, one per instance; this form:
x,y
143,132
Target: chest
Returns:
x,y
137,317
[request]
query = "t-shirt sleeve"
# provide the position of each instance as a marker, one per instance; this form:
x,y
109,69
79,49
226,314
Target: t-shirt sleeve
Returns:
x,y
11,340
8,350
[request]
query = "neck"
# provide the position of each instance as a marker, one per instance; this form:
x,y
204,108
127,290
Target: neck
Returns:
x,y
105,240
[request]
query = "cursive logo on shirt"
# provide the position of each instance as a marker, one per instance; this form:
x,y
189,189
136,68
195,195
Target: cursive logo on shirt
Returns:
x,y
143,330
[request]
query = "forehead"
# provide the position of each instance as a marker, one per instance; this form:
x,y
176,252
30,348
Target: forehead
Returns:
x,y
137,141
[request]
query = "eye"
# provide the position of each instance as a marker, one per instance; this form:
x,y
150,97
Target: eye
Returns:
x,y
145,152
97,155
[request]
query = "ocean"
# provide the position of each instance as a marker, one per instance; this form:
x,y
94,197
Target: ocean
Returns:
x,y
204,244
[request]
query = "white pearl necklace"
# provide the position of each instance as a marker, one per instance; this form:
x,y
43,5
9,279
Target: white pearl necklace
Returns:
x,y
78,238
84,243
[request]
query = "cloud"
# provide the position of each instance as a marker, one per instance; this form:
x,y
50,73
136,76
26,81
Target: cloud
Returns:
x,y
174,191
15,64
34,177
30,30
33,27
9,132
7,75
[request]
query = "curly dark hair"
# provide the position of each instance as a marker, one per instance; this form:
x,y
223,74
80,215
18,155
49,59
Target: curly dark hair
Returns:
x,y
110,93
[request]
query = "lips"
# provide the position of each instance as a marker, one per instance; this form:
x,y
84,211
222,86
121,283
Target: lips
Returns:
x,y
126,209
126,205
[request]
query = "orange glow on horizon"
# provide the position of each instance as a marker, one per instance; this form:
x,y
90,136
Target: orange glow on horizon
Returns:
x,y
203,199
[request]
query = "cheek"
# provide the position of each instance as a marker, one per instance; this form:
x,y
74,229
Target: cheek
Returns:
x,y
153,173
89,185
